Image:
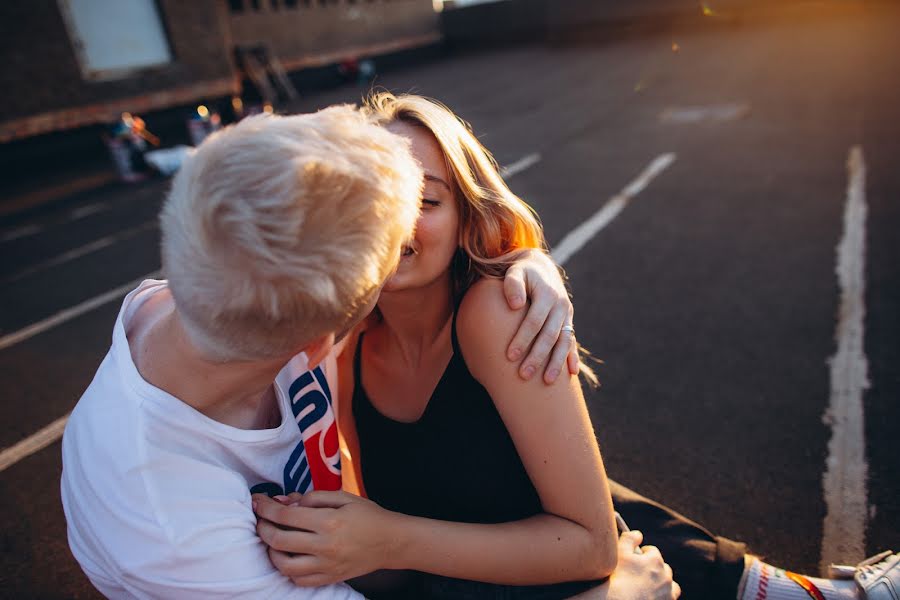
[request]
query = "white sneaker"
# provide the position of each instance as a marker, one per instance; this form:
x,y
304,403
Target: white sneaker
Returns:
x,y
878,577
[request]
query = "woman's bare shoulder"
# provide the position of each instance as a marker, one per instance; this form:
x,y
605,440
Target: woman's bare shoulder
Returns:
x,y
486,324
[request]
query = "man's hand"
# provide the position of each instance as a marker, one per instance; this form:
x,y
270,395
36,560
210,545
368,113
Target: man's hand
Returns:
x,y
323,537
638,576
535,277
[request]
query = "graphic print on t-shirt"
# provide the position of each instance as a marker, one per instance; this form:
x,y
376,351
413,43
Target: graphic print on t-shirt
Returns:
x,y
320,467
315,463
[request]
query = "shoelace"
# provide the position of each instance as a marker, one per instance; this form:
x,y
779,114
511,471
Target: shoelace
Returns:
x,y
873,565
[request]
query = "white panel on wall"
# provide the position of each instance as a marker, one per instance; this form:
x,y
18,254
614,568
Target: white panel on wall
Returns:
x,y
112,37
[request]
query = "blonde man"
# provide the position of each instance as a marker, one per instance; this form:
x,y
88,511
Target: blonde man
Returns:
x,y
278,233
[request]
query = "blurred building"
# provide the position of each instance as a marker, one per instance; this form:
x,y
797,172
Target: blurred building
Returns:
x,y
69,64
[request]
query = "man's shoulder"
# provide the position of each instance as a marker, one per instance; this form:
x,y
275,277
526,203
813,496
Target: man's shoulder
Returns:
x,y
135,505
122,445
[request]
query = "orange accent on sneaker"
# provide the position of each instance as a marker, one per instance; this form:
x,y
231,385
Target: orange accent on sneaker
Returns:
x,y
806,584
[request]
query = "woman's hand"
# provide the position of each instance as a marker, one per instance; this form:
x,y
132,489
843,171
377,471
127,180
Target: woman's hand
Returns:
x,y
536,278
324,537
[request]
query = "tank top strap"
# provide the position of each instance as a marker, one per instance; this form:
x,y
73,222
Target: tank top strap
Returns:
x,y
453,337
357,361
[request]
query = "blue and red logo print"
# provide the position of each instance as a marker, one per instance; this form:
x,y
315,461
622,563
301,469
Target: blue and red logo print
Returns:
x,y
316,462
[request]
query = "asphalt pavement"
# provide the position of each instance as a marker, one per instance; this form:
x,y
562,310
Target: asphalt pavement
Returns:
x,y
710,293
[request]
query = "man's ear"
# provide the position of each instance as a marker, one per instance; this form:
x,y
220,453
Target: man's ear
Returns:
x,y
318,349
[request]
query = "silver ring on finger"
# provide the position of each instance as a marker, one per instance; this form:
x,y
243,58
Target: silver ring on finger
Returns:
x,y
568,329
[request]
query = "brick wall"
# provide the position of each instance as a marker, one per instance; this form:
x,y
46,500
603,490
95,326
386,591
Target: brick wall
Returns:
x,y
46,91
44,86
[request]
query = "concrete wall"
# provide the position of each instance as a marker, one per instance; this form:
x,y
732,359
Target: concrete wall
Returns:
x,y
495,22
524,20
316,33
578,13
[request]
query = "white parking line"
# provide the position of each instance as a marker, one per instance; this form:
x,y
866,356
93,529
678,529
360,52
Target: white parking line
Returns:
x,y
581,235
846,469
73,215
90,209
526,162
33,443
20,232
715,113
82,250
70,313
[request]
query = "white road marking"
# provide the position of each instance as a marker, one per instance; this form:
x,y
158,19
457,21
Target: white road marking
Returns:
x,y
82,250
696,114
526,162
20,232
33,443
70,313
74,215
846,470
90,209
578,237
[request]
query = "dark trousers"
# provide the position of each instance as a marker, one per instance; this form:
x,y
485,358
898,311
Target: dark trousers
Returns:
x,y
707,567
704,565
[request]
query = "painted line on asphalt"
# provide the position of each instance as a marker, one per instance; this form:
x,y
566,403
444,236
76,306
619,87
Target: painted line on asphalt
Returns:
x,y
524,163
581,235
90,209
716,113
20,232
33,443
81,251
70,313
73,215
846,469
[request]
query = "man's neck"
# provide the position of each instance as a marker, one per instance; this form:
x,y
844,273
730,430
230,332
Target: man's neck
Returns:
x,y
239,394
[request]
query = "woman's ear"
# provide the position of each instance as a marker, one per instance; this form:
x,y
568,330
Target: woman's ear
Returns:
x,y
318,349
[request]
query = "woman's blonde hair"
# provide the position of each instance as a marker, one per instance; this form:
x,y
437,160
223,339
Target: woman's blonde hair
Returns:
x,y
496,226
279,230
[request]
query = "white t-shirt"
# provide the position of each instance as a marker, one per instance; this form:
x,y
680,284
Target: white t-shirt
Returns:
x,y
157,495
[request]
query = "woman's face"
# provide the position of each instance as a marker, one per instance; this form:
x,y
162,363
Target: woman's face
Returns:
x,y
429,255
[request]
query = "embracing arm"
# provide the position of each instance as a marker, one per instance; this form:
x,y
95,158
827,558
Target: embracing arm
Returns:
x,y
573,539
534,282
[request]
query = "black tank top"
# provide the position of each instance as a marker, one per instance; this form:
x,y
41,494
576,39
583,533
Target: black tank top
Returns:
x,y
456,463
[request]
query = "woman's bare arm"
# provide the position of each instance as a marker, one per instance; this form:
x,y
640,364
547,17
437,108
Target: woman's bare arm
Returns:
x,y
573,540
552,432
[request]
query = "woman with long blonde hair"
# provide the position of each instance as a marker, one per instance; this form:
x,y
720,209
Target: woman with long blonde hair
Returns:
x,y
485,484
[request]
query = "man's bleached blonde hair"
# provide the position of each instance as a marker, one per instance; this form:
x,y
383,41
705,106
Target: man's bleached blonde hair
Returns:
x,y
281,229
